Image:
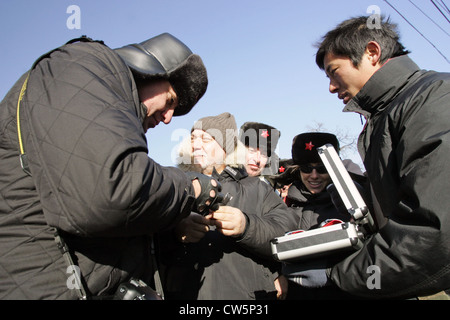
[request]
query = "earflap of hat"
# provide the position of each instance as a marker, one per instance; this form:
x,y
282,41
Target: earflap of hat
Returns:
x,y
190,81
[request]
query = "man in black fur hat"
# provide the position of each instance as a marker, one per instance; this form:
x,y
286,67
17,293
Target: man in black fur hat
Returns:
x,y
85,170
166,62
261,141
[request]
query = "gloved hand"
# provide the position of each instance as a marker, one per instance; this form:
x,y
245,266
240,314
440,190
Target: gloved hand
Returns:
x,y
210,196
309,274
315,278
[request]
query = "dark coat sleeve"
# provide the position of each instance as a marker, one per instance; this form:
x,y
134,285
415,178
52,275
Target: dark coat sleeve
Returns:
x,y
88,151
274,220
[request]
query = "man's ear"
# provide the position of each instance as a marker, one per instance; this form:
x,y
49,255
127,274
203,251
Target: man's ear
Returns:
x,y
373,51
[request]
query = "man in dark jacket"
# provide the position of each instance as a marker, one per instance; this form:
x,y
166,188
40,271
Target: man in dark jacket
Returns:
x,y
227,254
84,110
405,146
261,141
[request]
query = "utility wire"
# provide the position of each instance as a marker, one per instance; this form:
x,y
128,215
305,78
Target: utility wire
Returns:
x,y
418,31
429,18
443,14
444,6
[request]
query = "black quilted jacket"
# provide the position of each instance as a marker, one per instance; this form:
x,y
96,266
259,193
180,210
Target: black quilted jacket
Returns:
x,y
91,177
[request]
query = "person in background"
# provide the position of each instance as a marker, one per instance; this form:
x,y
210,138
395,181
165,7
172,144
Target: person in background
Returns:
x,y
261,141
226,254
85,175
308,196
282,185
405,147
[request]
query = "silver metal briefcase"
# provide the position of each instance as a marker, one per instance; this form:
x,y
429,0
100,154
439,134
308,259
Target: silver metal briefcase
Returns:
x,y
317,242
300,245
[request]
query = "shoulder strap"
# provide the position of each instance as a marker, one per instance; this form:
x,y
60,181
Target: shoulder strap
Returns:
x,y
22,157
156,275
62,246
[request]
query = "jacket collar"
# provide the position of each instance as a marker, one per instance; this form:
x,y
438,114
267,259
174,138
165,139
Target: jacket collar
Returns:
x,y
229,172
383,86
299,193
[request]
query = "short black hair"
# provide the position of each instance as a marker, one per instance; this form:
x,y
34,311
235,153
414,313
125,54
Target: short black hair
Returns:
x,y
350,39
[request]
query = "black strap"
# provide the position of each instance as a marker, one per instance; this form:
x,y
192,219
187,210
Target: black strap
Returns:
x,y
62,246
156,276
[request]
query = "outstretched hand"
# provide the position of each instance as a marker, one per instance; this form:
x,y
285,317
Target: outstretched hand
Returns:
x,y
207,193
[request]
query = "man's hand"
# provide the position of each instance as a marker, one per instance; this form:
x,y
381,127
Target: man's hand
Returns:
x,y
281,284
192,228
229,221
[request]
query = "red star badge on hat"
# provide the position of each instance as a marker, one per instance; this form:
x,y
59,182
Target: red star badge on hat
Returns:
x,y
309,146
281,169
265,134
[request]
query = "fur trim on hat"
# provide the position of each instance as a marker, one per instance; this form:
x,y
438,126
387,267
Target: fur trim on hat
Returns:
x,y
189,80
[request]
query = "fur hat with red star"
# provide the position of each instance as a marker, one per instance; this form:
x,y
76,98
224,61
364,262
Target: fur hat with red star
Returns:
x,y
259,135
304,146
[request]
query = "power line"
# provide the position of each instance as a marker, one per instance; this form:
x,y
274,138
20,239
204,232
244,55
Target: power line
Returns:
x,y
443,3
444,6
443,14
418,31
429,18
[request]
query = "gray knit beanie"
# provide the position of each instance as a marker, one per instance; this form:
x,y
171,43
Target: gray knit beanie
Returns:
x,y
222,128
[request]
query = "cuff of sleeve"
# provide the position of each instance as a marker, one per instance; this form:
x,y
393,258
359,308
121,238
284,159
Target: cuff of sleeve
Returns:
x,y
187,204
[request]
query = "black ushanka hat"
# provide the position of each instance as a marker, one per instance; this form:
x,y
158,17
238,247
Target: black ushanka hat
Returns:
x,y
304,146
259,135
166,57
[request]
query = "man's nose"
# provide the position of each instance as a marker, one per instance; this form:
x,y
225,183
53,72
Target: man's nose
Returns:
x,y
197,142
333,86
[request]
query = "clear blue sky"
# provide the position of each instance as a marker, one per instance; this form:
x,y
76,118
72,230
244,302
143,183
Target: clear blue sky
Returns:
x,y
259,53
